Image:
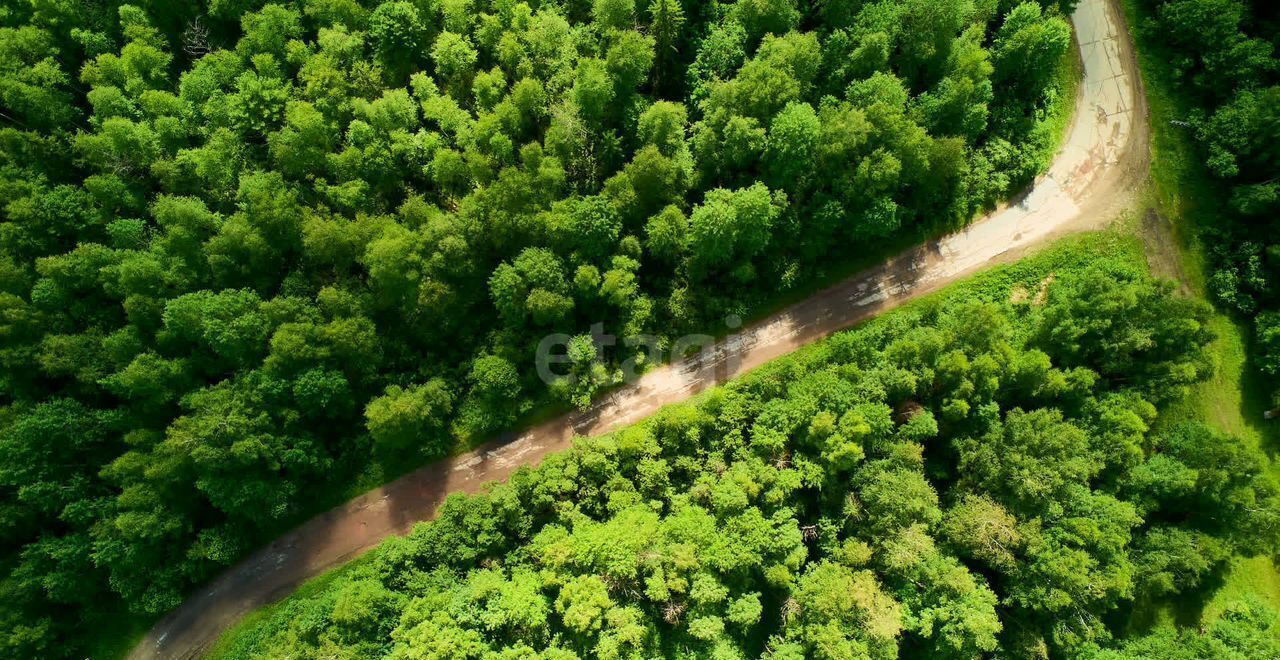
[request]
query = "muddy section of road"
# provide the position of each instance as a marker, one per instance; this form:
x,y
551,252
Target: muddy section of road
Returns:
x,y
1102,161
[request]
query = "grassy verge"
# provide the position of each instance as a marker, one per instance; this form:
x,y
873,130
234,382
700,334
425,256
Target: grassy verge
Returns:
x,y
1182,192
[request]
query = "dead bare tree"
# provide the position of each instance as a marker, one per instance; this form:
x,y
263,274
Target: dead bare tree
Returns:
x,y
195,39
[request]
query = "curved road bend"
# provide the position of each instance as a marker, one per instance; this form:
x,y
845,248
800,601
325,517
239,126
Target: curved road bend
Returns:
x,y
1103,159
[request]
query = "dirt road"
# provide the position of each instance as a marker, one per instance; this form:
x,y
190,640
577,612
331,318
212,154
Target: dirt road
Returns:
x,y
1103,159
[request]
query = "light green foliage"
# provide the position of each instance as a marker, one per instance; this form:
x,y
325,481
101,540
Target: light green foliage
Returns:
x,y
1029,45
731,226
613,14
454,58
397,29
407,417
663,126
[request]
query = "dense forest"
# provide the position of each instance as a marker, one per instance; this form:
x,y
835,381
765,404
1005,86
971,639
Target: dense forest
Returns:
x,y
976,476
250,252
1223,56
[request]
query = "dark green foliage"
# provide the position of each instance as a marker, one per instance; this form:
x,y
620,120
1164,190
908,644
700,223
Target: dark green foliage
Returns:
x,y
1130,330
794,514
1223,56
1269,343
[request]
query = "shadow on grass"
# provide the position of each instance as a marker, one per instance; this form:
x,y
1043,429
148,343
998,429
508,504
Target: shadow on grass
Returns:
x,y
1184,610
1255,388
